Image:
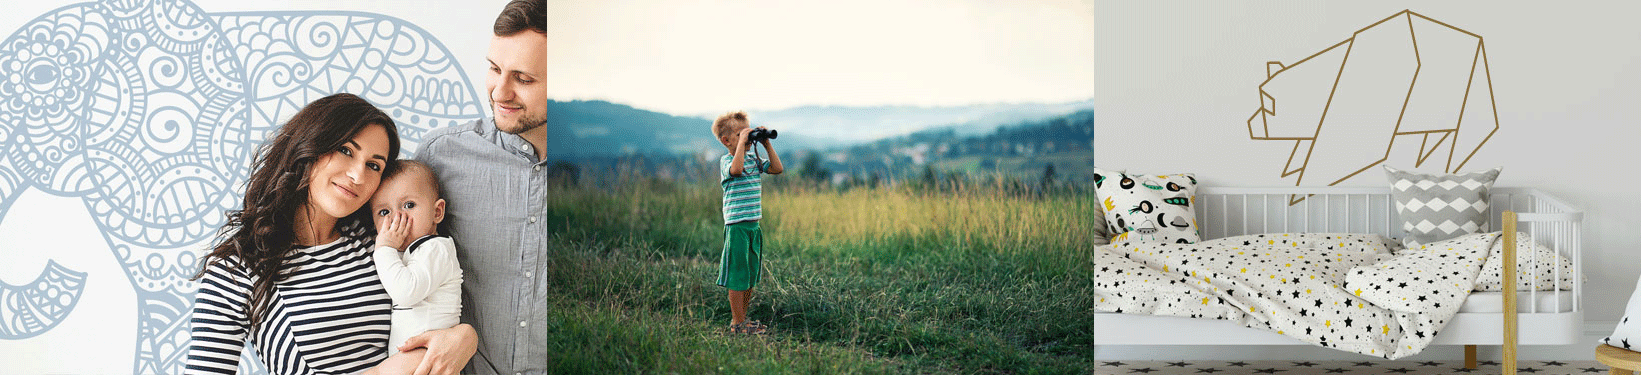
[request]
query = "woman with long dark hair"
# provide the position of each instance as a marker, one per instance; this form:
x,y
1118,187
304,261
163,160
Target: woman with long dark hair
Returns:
x,y
291,273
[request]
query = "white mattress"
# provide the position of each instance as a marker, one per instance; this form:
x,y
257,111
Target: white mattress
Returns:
x,y
1493,302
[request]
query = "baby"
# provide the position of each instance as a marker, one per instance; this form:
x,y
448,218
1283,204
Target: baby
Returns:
x,y
417,265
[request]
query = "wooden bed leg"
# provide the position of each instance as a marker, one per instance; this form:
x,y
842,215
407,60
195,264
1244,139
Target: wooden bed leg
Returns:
x,y
1509,263
1470,357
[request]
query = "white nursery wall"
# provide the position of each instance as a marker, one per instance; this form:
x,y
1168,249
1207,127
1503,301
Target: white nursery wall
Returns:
x,y
114,296
1177,82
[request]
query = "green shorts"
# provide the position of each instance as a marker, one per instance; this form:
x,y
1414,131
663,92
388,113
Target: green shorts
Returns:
x,y
742,261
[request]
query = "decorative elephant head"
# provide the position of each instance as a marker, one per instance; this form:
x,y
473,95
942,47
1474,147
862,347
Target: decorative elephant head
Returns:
x,y
151,111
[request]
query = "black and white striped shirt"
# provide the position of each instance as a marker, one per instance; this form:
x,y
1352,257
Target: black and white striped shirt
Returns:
x,y
330,315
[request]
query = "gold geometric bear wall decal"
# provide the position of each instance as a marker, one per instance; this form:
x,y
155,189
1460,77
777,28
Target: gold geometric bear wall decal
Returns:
x,y
1406,77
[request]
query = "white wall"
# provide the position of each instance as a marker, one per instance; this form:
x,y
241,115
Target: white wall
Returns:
x,y
120,323
1186,75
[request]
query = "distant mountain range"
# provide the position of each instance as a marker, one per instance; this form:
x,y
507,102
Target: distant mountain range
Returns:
x,y
598,128
851,125
1024,148
1020,141
579,129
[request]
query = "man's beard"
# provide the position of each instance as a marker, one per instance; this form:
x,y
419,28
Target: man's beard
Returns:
x,y
526,122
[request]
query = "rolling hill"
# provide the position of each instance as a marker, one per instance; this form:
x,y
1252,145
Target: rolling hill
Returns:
x,y
1013,139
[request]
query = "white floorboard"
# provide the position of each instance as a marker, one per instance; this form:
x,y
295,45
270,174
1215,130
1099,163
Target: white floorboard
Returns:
x,y
1585,351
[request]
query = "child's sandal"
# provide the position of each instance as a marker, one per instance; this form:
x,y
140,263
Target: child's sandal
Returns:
x,y
756,328
750,327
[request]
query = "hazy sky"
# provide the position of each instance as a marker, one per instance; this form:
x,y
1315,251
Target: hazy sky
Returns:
x,y
704,56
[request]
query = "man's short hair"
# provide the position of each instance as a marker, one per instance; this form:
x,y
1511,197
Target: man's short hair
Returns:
x,y
724,125
520,16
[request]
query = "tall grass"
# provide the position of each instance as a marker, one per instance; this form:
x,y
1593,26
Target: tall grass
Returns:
x,y
885,279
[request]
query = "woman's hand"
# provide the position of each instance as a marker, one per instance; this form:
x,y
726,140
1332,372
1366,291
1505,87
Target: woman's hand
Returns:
x,y
391,231
448,350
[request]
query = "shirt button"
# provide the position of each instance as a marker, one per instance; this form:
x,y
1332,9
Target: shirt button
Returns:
x,y
537,168
532,219
523,323
528,274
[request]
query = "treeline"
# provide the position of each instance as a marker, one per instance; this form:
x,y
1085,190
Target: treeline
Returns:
x,y
664,174
1070,133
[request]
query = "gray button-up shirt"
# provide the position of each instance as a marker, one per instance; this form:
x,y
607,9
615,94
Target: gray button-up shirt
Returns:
x,y
496,196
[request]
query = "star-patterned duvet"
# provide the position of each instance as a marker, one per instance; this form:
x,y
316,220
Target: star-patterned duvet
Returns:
x,y
1342,291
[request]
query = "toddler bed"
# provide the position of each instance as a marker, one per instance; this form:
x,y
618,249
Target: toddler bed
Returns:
x,y
1551,306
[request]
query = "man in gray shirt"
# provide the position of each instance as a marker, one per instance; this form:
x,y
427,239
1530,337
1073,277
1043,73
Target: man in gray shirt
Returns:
x,y
495,180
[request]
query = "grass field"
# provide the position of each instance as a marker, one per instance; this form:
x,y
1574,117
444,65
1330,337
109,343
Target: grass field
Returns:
x,y
878,280
1066,164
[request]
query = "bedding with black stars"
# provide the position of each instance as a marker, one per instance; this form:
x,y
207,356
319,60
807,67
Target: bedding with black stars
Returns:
x,y
1296,285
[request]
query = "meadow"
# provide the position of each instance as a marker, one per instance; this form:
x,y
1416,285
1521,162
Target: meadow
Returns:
x,y
889,279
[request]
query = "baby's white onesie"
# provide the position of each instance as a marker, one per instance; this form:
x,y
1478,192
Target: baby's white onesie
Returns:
x,y
425,283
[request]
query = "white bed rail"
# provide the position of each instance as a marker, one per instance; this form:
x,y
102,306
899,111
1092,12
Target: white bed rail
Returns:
x,y
1233,211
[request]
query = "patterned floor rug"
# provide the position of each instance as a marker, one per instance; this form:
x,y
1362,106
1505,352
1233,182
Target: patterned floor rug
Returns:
x,y
1341,367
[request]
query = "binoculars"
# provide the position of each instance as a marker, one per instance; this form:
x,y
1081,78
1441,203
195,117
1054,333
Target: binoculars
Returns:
x,y
761,134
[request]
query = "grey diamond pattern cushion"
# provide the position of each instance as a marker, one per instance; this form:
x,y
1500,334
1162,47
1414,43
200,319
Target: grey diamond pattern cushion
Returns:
x,y
1440,207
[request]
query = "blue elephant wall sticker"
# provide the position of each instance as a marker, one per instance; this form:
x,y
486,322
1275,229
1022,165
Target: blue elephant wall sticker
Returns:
x,y
150,112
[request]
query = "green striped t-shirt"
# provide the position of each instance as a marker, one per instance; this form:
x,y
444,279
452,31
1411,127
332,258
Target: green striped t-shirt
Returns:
x,y
743,196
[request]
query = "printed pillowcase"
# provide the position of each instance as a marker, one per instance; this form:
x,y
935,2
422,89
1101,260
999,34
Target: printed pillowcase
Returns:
x,y
1527,251
1440,207
1628,333
1148,208
1396,283
1102,232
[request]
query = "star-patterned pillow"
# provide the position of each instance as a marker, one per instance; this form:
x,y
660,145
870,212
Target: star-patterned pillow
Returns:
x,y
1424,281
1628,333
1550,265
1148,208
